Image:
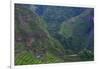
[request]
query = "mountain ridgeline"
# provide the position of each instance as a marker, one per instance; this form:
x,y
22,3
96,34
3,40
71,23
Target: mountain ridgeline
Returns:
x,y
52,34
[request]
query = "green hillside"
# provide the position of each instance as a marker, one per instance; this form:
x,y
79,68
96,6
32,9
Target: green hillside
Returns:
x,y
75,31
33,44
48,34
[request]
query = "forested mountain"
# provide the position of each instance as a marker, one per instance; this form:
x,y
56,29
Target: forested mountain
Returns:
x,y
32,37
50,34
79,30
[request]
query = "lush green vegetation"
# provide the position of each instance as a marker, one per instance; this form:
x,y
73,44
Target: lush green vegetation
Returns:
x,y
86,55
51,38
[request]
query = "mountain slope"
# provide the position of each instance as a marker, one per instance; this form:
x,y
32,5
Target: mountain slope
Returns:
x,y
77,30
33,44
48,34
55,16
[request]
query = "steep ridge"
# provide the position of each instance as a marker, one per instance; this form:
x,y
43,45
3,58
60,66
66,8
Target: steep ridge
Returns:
x,y
76,30
33,44
47,34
